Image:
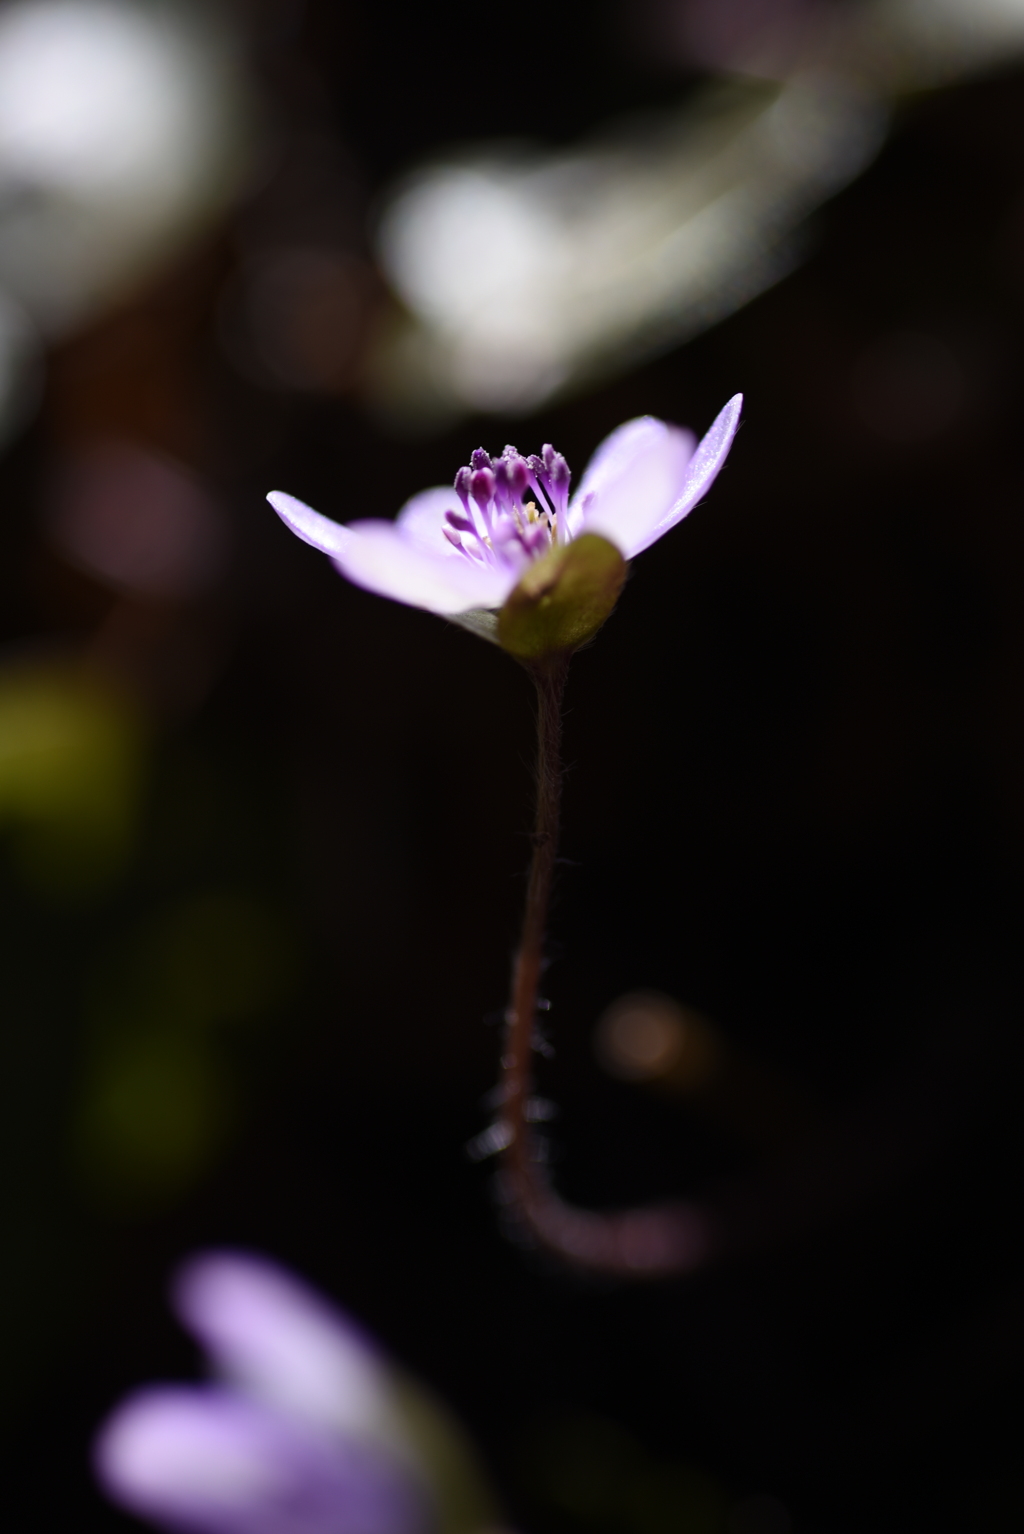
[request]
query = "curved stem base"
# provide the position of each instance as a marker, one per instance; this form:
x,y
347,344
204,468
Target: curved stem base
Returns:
x,y
649,1242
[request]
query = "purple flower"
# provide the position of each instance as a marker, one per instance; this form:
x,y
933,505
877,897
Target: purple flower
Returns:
x,y
302,1435
462,551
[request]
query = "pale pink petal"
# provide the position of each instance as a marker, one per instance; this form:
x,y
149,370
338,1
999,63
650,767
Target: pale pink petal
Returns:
x,y
210,1462
379,558
323,534
700,471
422,519
270,1334
402,560
619,450
616,456
633,482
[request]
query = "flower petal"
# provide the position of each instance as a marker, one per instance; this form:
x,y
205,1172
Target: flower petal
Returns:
x,y
271,1335
701,471
616,455
210,1462
381,558
323,534
422,519
633,481
409,560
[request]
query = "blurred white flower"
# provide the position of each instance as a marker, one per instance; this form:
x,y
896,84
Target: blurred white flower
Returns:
x,y
524,273
123,127
307,1430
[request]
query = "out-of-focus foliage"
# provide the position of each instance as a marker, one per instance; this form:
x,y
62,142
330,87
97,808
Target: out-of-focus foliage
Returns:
x,y
158,1098
595,1475
72,756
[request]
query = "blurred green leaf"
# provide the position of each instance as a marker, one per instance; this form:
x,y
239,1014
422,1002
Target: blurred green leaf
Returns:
x,y
597,1475
158,1088
156,1106
71,773
465,1503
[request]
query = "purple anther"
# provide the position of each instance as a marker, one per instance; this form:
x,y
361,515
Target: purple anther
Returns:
x,y
541,481
560,477
502,477
518,475
481,487
479,459
548,454
462,479
453,538
460,524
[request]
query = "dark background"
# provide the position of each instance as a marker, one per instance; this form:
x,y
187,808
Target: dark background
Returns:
x,y
794,804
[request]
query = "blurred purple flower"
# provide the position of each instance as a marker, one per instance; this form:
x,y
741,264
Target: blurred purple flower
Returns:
x,y
462,551
300,1436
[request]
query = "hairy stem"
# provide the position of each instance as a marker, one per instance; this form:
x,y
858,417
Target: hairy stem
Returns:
x,y
637,1242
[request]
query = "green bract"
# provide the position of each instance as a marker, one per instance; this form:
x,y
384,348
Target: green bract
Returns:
x,y
562,599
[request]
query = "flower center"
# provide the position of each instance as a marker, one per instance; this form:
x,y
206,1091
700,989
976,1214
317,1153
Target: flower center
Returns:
x,y
501,522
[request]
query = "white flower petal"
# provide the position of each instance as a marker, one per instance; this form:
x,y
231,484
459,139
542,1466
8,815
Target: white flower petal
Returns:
x,y
618,452
380,558
212,1461
700,472
409,560
422,519
270,1334
323,534
632,482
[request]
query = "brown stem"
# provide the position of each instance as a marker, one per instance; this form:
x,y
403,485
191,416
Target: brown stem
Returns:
x,y
634,1242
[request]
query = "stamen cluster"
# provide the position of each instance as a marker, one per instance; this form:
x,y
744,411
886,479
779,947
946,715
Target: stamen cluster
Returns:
x,y
499,524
